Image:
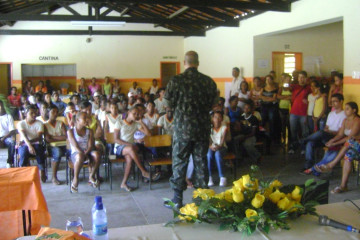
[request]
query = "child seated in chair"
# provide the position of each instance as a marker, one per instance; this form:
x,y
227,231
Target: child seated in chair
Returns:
x,y
124,144
70,112
7,131
110,121
217,147
31,137
82,149
55,131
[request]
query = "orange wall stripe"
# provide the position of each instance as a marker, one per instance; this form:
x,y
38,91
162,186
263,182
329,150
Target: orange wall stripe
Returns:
x,y
350,80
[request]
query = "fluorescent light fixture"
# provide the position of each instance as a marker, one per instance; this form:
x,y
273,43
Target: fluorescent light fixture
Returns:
x,y
97,23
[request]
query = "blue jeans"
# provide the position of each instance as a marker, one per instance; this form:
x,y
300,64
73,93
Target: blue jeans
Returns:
x,y
310,123
297,122
10,144
24,155
315,140
218,158
57,153
270,113
328,157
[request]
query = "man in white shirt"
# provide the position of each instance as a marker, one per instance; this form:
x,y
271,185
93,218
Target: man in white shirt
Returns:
x,y
31,132
235,84
154,88
319,138
165,122
7,131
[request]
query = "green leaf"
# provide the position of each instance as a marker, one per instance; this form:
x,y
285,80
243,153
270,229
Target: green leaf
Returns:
x,y
266,228
309,182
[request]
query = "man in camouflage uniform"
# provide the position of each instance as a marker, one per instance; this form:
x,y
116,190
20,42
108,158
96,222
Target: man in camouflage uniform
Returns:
x,y
191,95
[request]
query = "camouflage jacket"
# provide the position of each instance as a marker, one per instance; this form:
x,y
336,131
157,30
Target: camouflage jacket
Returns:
x,y
191,95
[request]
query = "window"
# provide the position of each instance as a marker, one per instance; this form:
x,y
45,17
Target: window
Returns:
x,y
289,63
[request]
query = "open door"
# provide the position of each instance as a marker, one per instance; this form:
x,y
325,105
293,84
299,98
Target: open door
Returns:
x,y
5,78
168,70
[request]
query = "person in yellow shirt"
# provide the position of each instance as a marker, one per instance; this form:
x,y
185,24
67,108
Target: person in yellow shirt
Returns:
x,y
319,116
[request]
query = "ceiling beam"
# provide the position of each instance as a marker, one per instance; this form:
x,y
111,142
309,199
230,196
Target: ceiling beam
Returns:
x,y
70,9
106,12
283,6
86,32
41,7
26,17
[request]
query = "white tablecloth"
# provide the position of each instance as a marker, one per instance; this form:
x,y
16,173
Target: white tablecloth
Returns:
x,y
305,227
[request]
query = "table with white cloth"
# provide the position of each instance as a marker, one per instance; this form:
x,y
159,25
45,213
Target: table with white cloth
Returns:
x,y
305,227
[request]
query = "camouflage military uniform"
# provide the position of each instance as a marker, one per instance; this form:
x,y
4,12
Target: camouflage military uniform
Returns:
x,y
191,96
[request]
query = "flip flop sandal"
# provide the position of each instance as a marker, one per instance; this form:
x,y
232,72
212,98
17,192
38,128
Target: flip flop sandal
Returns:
x,y
74,189
127,189
323,168
94,184
338,189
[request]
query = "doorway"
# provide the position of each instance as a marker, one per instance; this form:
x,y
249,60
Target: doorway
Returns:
x,y
5,78
286,62
167,71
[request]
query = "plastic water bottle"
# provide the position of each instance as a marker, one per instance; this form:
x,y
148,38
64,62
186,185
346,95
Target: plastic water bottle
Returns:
x,y
99,221
97,198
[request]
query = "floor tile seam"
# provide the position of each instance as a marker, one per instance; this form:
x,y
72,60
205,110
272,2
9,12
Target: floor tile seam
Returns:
x,y
141,210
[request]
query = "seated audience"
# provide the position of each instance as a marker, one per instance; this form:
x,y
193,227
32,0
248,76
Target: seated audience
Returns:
x,y
249,127
55,131
58,103
116,88
83,90
82,150
31,133
24,104
151,115
319,138
47,99
124,144
350,151
131,100
349,126
28,89
70,112
76,100
165,122
95,103
161,103
154,87
133,89
41,88
336,87
48,86
15,102
101,112
217,147
44,115
7,131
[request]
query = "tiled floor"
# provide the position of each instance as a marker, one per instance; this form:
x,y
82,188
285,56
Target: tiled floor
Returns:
x,y
144,206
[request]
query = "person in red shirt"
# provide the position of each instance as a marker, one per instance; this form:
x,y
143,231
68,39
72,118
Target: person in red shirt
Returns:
x,y
14,98
298,113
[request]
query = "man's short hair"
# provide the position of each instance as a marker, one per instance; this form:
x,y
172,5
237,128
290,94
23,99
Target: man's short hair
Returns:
x,y
84,104
192,58
304,73
339,96
232,98
236,69
30,107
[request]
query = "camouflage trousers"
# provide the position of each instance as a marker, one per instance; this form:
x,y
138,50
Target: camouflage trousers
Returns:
x,y
182,149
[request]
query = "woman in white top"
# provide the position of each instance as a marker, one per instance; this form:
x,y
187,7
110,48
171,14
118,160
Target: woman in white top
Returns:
x,y
31,133
55,131
217,147
83,148
125,147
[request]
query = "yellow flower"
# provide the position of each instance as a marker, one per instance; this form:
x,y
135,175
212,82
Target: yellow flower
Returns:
x,y
258,200
204,194
250,213
283,203
220,195
189,209
275,184
276,196
296,193
239,184
267,192
228,195
248,184
237,195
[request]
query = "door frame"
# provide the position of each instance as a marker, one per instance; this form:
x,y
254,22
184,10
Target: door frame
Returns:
x,y
177,69
11,74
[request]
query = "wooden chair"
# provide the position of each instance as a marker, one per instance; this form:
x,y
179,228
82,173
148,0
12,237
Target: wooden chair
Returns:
x,y
229,156
70,166
156,142
110,159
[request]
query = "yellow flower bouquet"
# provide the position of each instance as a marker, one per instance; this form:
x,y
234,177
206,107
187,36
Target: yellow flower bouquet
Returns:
x,y
251,203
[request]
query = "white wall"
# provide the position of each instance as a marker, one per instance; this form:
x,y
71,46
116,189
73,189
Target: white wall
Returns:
x,y
225,47
323,42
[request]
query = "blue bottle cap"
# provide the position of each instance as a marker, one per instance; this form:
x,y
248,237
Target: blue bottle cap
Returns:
x,y
98,199
99,206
